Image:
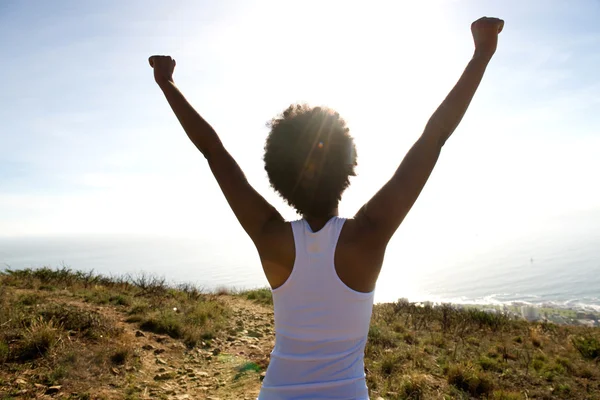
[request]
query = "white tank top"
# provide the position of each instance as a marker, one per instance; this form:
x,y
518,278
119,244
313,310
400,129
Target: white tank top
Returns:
x,y
321,325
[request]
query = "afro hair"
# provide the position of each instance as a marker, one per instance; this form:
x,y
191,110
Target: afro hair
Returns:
x,y
309,158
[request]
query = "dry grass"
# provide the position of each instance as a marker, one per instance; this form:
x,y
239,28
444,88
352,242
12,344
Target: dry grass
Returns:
x,y
53,333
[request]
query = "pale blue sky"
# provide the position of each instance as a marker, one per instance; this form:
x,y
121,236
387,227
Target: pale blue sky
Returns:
x,y
88,144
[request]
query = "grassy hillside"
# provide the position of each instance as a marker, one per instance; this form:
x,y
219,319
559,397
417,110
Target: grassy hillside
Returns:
x,y
73,335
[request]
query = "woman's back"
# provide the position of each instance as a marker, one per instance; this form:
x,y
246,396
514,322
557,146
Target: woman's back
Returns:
x,y
321,324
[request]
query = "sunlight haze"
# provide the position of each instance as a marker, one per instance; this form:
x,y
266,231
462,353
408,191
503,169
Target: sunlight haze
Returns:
x,y
88,144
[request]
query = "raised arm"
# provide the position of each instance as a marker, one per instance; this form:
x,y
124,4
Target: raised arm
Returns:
x,y
384,213
251,209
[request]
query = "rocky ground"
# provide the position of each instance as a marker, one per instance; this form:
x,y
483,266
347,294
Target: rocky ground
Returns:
x,y
72,335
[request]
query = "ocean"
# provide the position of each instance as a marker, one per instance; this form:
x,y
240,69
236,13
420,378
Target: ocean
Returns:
x,y
558,266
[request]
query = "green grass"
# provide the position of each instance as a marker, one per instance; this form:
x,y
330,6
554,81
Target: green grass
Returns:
x,y
38,339
4,351
490,364
588,346
414,351
470,380
193,323
263,296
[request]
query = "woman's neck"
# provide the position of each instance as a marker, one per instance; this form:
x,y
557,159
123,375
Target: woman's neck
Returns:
x,y
317,223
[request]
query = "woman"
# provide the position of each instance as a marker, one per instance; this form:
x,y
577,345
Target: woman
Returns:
x,y
323,268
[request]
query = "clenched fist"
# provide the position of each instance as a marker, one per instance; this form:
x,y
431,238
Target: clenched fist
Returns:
x,y
485,33
163,68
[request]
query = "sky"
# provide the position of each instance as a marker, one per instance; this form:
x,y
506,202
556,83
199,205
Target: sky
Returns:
x,y
88,145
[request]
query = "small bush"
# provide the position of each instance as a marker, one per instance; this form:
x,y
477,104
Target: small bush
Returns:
x,y
502,395
192,292
585,372
97,296
193,336
413,387
565,363
390,364
494,321
29,299
120,355
148,284
410,338
224,291
56,375
264,296
164,323
90,324
120,300
588,346
136,318
473,341
4,351
38,339
538,365
139,307
518,339
467,379
490,364
380,337
564,389
200,313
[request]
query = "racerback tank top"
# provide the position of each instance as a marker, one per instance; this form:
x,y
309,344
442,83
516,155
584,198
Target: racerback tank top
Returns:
x,y
321,325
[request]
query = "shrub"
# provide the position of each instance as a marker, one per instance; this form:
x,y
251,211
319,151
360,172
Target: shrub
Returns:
x,y
164,323
4,351
585,372
565,363
467,379
120,355
536,341
413,387
588,346
410,338
494,321
120,300
90,324
502,395
564,389
390,364
29,299
192,292
56,375
97,295
490,364
192,336
473,341
148,284
200,313
38,339
264,296
538,365
380,337
139,307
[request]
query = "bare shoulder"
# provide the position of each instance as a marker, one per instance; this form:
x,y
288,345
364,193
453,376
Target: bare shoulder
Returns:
x,y
277,251
359,233
358,259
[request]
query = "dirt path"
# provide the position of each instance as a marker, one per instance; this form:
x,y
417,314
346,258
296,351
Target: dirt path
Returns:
x,y
229,368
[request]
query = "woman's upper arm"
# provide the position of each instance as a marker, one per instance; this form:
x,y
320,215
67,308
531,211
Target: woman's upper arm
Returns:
x,y
251,209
